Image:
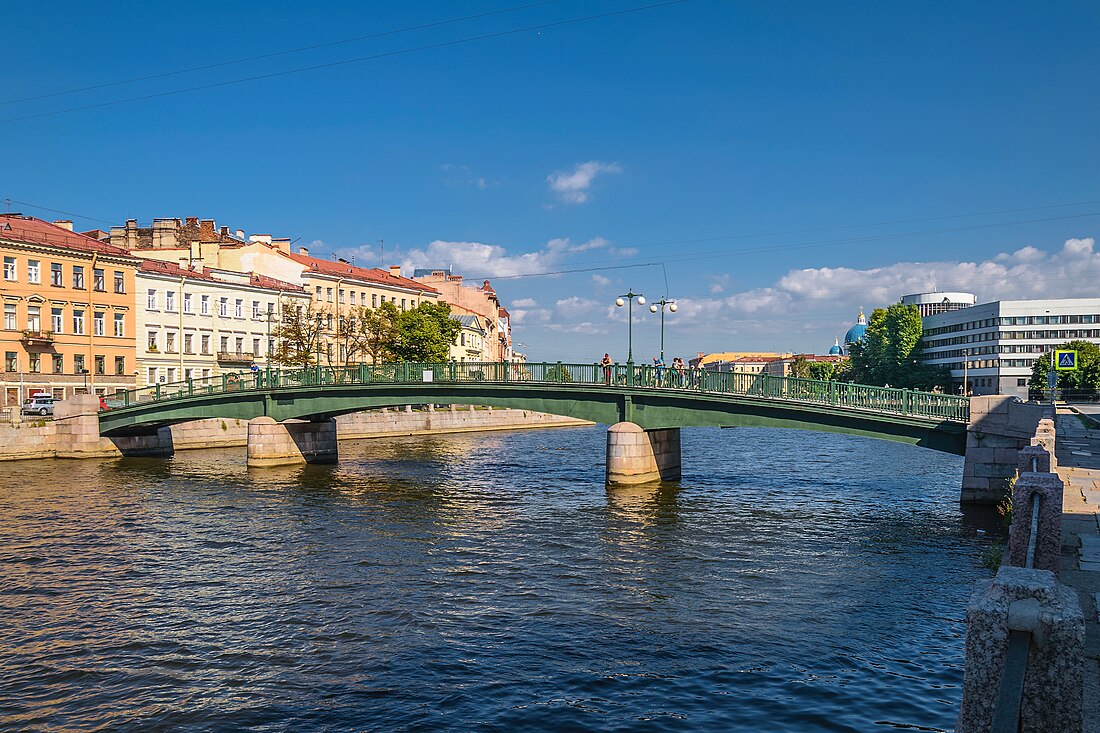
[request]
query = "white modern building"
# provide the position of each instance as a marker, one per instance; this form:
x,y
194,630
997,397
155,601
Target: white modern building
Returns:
x,y
931,304
993,346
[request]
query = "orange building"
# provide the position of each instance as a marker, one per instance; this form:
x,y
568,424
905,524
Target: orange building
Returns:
x,y
68,306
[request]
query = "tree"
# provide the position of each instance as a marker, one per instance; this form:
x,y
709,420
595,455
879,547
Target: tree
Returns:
x,y
1082,382
377,329
299,333
425,333
558,373
891,349
800,367
823,370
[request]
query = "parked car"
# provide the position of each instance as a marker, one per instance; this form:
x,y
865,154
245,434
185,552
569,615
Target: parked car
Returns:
x,y
38,405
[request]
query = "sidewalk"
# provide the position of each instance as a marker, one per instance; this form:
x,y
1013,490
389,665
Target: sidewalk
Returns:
x,y
1078,450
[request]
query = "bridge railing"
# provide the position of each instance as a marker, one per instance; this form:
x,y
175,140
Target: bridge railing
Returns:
x,y
641,376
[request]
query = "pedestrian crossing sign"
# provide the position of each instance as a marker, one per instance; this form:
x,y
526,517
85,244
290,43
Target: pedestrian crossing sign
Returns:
x,y
1065,360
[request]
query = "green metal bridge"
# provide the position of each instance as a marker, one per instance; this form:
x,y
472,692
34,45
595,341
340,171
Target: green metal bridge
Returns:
x,y
650,397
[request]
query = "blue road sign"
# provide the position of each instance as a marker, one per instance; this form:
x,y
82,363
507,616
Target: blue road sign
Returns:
x,y
1065,360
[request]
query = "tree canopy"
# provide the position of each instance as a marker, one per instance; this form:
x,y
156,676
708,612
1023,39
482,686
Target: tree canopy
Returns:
x,y
1083,381
890,352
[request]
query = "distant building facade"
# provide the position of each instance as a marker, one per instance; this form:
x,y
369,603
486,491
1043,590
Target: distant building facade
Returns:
x,y
467,300
996,344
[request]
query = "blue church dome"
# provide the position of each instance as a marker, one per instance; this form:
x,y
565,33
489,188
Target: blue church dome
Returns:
x,y
835,350
858,331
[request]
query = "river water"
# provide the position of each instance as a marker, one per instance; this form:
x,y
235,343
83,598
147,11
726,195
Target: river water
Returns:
x,y
792,581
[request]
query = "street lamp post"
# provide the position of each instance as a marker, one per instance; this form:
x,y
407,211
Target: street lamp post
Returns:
x,y
966,363
629,296
671,309
85,373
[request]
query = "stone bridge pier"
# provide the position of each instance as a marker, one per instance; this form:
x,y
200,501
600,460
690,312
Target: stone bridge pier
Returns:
x,y
637,456
292,442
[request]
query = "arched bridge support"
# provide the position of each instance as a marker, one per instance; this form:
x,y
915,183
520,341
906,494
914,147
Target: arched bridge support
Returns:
x,y
292,442
637,456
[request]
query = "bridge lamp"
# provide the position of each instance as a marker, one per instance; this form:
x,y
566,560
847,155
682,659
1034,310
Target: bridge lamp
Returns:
x,y
627,299
661,305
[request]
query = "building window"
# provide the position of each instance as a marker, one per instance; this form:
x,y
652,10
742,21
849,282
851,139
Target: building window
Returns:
x,y
35,363
170,301
255,310
11,361
78,277
187,374
120,365
151,299
402,304
238,308
34,272
78,322
9,268
318,294
120,324
240,345
374,300
206,374
152,376
187,302
99,280
187,344
78,364
205,343
341,295
120,282
353,297
328,294
9,316
151,341
255,347
58,364
223,307
57,319
204,305
34,318
56,276
98,324
171,374
224,344
170,342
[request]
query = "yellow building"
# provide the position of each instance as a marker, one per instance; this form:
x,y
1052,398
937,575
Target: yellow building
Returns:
x,y
68,311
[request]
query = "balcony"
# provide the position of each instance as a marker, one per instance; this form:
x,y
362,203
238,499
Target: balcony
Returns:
x,y
37,338
236,357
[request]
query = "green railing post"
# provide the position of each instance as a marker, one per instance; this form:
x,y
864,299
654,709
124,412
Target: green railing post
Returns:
x,y
630,373
190,387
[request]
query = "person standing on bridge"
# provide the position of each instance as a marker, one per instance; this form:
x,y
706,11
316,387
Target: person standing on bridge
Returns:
x,y
606,364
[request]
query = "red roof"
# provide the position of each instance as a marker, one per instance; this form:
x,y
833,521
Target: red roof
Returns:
x,y
29,230
373,275
255,280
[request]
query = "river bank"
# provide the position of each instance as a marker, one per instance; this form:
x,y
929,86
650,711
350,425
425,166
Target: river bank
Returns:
x,y
38,438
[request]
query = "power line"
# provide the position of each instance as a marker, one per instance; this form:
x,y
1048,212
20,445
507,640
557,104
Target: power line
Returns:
x,y
287,52
373,57
59,211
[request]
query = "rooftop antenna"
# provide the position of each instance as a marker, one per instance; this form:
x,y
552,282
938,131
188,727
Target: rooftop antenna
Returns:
x,y
382,244
8,201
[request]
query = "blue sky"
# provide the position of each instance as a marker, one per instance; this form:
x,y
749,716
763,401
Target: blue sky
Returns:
x,y
675,137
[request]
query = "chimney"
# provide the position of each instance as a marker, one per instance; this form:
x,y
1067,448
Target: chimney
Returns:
x,y
206,229
192,221
240,234
395,270
304,251
64,223
224,231
282,243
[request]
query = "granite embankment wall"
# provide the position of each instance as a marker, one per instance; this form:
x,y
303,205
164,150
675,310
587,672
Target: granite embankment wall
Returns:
x,y
38,438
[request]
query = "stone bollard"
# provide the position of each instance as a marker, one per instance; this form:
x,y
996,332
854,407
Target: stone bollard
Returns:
x,y
1038,454
636,456
1046,436
408,408
1020,599
1048,544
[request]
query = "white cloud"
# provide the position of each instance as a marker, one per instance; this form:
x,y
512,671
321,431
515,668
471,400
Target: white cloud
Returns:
x,y
461,175
718,283
577,306
573,187
601,280
587,328
524,303
476,259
